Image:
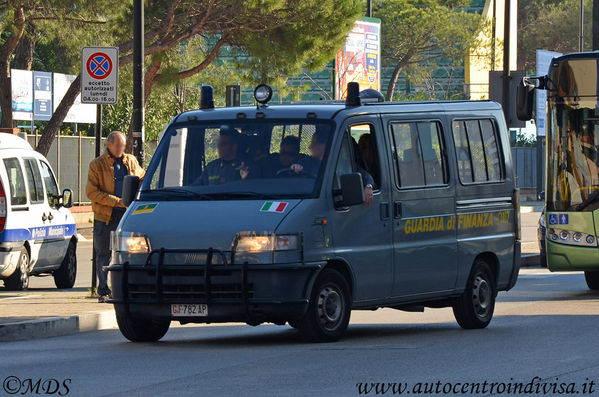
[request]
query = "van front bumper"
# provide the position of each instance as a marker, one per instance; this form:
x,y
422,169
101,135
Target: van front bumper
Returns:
x,y
251,293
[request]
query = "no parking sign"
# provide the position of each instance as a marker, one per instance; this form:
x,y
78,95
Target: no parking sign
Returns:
x,y
99,75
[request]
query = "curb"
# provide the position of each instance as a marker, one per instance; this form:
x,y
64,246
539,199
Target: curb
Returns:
x,y
527,260
57,326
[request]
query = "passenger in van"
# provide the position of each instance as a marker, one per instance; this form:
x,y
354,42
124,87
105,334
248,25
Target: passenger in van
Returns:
x,y
230,165
367,149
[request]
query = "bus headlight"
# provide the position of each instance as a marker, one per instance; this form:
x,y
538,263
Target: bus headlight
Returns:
x,y
251,242
571,238
131,242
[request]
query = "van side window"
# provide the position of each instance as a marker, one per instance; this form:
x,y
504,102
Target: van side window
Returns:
x,y
18,192
34,180
50,183
366,151
419,154
477,151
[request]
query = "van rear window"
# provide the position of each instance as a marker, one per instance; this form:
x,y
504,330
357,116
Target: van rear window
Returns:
x,y
477,151
16,182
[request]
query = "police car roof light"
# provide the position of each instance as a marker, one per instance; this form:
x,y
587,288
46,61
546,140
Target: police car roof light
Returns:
x,y
207,97
353,94
371,95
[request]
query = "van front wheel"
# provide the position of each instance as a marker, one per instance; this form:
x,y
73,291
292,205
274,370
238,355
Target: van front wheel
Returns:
x,y
592,279
474,308
139,330
329,309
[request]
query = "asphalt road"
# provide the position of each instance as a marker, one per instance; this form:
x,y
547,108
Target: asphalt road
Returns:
x,y
546,327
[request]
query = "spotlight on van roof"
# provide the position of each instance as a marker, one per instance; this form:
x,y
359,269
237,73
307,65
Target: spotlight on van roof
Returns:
x,y
262,94
353,94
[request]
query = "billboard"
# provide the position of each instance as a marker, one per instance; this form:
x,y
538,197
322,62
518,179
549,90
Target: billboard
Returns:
x,y
42,96
360,59
22,94
78,113
544,58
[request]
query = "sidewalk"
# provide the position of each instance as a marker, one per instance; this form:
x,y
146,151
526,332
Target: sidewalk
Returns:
x,y
43,311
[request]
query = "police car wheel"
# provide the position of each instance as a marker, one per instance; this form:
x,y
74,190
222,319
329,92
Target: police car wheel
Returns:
x,y
329,309
474,308
19,280
592,279
140,330
65,275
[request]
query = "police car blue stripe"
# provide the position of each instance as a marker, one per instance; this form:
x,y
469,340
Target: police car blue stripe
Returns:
x,y
38,233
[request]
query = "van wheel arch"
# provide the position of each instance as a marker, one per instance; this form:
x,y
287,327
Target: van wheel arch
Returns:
x,y
342,267
491,260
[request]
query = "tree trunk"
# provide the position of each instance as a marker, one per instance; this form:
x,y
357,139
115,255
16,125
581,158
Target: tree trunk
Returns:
x,y
6,50
60,113
393,81
24,51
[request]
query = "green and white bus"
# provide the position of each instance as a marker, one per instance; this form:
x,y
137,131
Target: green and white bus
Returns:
x,y
572,190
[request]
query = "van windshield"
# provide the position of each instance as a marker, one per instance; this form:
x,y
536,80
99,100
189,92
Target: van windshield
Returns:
x,y
243,159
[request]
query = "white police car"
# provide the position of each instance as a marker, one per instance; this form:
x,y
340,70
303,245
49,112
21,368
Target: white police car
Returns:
x,y
37,231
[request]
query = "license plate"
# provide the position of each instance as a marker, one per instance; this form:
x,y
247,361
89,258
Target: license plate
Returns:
x,y
185,310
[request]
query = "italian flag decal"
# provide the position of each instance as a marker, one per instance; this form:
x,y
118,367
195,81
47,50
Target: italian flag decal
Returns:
x,y
273,206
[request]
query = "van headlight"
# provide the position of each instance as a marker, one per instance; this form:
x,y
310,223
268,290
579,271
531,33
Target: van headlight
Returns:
x,y
252,242
131,242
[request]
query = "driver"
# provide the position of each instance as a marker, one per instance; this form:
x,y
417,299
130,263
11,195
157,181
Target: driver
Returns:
x,y
230,166
288,155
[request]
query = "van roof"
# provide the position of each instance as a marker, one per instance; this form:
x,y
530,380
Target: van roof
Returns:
x,y
329,109
9,141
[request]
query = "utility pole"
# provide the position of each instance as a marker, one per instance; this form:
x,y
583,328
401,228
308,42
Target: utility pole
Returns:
x,y
595,25
505,79
369,8
138,80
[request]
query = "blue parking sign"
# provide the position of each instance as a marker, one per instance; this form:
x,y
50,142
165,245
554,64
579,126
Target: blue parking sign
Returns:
x,y
553,220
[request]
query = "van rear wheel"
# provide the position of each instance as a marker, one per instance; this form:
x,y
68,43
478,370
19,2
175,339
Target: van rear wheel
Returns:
x,y
329,309
140,330
19,280
592,279
474,308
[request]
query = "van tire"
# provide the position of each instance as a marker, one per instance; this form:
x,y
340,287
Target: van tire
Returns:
x,y
474,308
65,275
19,280
592,279
140,330
329,309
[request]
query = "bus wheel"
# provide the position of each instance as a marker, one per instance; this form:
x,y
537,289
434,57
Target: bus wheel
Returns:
x,y
474,308
329,309
19,280
592,279
138,330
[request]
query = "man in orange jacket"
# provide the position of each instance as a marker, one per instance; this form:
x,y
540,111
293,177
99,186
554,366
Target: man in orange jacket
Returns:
x,y
105,190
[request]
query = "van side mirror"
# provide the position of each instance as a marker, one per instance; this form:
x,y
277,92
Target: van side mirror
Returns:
x,y
542,196
67,198
130,187
352,189
525,98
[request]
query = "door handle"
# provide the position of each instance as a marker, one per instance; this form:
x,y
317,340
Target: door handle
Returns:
x,y
44,217
397,210
384,211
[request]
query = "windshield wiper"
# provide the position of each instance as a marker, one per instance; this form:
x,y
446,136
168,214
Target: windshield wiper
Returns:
x,y
179,192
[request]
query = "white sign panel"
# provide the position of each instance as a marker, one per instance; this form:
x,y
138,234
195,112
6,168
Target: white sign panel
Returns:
x,y
99,75
78,113
544,58
22,94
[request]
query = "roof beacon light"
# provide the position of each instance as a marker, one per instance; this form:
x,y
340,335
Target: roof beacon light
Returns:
x,y
262,94
353,94
207,97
